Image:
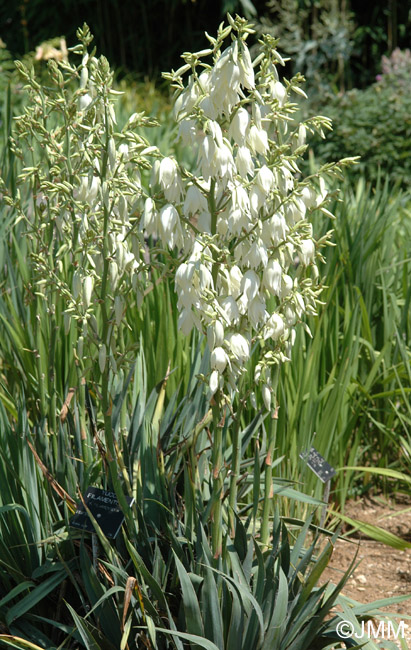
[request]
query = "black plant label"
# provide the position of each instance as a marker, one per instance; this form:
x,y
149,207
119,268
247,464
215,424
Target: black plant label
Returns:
x,y
318,465
105,508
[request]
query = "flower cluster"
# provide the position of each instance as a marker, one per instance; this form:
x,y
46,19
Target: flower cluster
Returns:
x,y
87,189
241,221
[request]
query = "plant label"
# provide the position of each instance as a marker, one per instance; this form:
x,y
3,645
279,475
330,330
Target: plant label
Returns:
x,y
105,508
318,465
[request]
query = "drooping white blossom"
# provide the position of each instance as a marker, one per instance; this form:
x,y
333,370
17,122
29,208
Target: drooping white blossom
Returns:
x,y
244,231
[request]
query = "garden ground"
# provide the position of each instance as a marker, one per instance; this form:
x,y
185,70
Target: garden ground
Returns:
x,y
382,571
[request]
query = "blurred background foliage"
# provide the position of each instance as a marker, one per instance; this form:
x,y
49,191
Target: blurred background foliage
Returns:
x,y
342,38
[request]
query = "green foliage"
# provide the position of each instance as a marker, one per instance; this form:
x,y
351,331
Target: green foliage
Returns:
x,y
318,37
347,388
158,584
376,125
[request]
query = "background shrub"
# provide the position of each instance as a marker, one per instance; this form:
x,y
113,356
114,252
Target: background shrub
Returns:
x,y
374,124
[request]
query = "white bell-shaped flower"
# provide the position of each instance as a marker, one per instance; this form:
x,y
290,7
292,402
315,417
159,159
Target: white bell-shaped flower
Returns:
x,y
169,226
274,327
257,312
244,162
239,126
216,133
290,316
187,132
230,310
168,172
278,228
215,334
307,251
278,92
239,347
257,140
272,277
257,254
250,285
257,201
246,68
219,359
265,179
286,286
194,202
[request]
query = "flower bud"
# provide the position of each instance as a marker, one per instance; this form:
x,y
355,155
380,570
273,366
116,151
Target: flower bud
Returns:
x,y
67,323
278,92
113,273
112,153
246,68
84,102
266,394
102,356
123,151
87,291
76,285
302,134
149,218
286,286
118,309
83,77
214,379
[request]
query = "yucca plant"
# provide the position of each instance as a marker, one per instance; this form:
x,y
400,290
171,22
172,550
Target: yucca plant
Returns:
x,y
103,222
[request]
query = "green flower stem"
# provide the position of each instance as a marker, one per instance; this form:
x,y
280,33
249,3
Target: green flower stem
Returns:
x,y
213,212
51,370
268,472
86,452
235,467
217,453
106,334
217,460
40,374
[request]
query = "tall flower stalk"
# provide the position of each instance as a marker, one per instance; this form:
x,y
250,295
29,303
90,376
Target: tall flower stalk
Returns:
x,y
84,246
247,272
237,229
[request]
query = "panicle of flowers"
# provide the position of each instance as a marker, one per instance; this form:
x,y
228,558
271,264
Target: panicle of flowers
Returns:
x,y
241,221
88,191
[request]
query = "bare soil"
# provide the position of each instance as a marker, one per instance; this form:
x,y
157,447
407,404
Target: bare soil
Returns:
x,y
383,571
